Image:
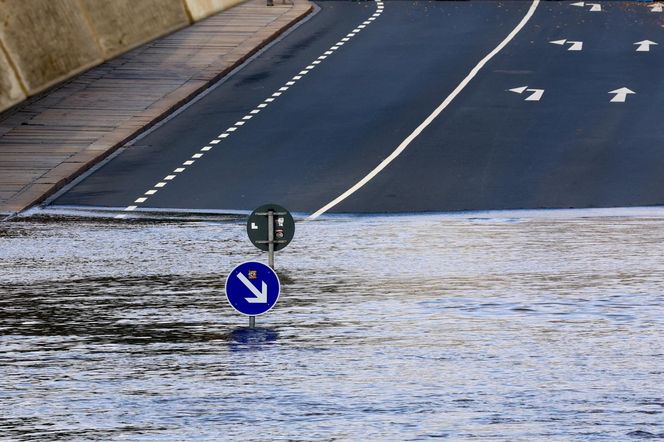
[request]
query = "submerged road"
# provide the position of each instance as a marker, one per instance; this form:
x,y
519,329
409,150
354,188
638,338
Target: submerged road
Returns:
x,y
475,105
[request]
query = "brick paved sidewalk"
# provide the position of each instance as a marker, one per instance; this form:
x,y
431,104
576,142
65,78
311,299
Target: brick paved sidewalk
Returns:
x,y
48,140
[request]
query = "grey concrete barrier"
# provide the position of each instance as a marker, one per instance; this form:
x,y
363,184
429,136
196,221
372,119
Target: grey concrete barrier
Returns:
x,y
43,42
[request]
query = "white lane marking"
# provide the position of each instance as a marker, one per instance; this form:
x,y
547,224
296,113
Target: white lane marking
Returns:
x,y
130,208
404,144
377,13
657,7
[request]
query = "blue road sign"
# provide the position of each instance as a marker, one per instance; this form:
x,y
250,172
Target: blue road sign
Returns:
x,y
252,288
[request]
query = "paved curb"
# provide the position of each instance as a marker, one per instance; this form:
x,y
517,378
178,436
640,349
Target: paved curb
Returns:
x,y
49,183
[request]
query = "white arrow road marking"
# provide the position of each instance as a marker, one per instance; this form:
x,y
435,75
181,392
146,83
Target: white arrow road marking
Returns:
x,y
575,45
519,90
261,297
644,46
535,96
621,95
594,7
657,7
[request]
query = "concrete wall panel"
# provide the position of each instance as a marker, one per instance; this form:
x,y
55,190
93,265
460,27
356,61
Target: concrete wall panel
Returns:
x,y
47,40
121,25
10,88
200,9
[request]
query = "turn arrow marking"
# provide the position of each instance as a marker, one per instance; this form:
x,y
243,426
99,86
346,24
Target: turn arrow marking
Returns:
x,y
535,96
261,297
621,95
594,7
575,45
657,7
644,46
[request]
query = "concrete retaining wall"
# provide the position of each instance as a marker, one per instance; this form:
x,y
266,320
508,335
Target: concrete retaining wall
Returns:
x,y
43,42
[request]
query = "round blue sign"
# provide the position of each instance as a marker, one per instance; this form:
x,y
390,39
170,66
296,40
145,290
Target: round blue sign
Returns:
x,y
252,288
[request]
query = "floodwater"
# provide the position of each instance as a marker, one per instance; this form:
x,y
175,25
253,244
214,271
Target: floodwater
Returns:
x,y
514,326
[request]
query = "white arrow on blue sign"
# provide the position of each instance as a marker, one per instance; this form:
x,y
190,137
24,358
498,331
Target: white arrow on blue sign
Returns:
x,y
252,288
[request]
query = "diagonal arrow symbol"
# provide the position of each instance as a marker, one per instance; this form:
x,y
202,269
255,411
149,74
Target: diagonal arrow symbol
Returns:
x,y
535,96
261,296
594,7
575,45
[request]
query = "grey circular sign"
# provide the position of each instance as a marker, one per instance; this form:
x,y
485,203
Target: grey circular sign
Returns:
x,y
282,220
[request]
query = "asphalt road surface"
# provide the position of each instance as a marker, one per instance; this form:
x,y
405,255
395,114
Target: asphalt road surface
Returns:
x,y
534,125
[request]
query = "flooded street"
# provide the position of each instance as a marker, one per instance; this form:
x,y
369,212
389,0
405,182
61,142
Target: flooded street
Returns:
x,y
511,326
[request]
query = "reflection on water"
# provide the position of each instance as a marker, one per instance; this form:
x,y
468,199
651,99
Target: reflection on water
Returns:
x,y
388,328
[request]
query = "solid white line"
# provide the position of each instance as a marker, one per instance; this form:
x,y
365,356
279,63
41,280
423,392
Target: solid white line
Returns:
x,y
404,144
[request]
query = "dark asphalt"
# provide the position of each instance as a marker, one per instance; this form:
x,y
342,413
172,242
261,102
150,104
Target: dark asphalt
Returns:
x,y
489,149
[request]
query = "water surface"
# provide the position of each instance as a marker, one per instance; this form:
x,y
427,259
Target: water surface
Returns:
x,y
509,326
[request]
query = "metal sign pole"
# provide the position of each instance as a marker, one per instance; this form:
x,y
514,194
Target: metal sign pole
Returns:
x,y
270,238
252,322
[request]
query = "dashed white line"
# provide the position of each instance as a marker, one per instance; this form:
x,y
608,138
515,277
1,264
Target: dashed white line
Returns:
x,y
404,144
263,105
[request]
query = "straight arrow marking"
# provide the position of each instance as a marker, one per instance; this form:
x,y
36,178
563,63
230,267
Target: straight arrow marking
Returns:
x,y
261,297
621,95
576,46
596,7
644,46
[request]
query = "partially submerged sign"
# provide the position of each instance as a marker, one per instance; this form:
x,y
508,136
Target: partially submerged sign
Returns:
x,y
252,288
258,227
